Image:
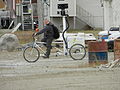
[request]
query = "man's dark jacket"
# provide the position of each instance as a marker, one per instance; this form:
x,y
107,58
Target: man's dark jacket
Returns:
x,y
47,30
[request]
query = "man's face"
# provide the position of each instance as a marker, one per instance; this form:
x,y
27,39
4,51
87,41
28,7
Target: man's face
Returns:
x,y
46,21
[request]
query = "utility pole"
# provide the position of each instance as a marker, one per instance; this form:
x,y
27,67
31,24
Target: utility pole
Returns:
x,y
40,9
47,9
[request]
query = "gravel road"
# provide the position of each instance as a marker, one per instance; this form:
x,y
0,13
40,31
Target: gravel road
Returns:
x,y
56,73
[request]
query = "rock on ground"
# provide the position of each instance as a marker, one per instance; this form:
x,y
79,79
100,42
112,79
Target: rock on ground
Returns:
x,y
9,42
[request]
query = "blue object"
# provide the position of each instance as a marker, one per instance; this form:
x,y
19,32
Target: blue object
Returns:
x,y
104,37
98,56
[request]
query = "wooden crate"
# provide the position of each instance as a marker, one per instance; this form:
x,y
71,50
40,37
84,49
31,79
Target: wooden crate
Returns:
x,y
117,49
97,53
95,46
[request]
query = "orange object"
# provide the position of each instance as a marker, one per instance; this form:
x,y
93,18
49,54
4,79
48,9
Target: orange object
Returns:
x,y
36,29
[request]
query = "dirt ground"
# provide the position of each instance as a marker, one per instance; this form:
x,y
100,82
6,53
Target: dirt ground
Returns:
x,y
56,73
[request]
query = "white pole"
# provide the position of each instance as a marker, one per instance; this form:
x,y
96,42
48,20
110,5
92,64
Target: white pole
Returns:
x,y
64,23
119,28
106,15
74,19
64,27
40,10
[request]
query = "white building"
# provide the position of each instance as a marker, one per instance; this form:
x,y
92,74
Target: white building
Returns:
x,y
111,10
95,13
115,12
83,13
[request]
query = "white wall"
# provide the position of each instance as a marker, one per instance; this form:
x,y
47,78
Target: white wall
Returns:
x,y
54,7
94,8
116,12
111,14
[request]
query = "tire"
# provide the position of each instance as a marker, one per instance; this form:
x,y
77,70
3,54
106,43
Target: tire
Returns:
x,y
31,54
77,52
